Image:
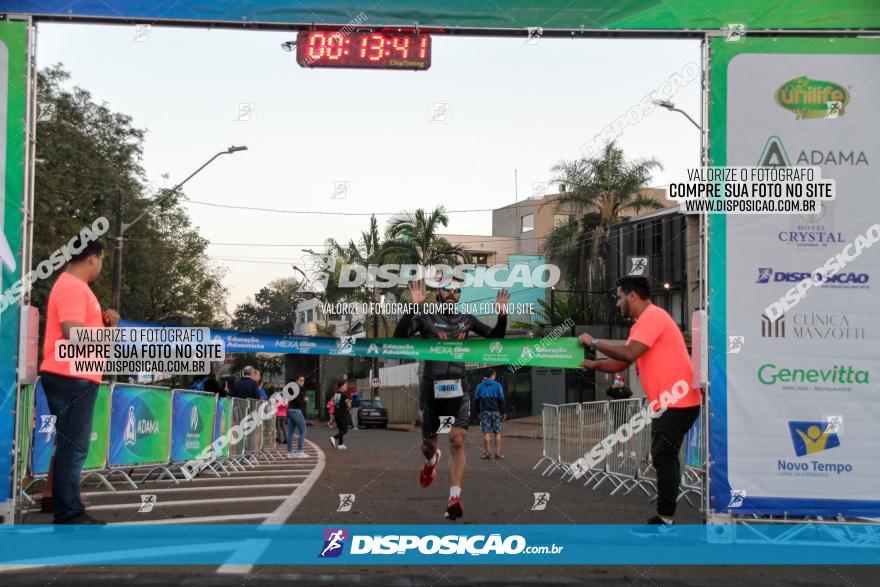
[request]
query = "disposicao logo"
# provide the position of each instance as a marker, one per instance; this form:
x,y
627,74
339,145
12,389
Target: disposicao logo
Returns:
x,y
334,542
809,98
812,437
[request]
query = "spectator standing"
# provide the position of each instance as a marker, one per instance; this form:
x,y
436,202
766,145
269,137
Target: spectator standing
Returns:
x,y
342,414
281,421
490,396
331,410
619,389
296,418
71,399
247,387
355,406
211,385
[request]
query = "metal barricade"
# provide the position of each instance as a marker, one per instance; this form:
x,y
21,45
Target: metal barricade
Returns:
x,y
269,448
569,436
623,461
594,428
237,450
550,435
571,431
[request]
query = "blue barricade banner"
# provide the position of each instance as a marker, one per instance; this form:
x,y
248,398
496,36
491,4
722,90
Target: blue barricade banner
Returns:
x,y
222,421
44,433
192,426
522,544
140,425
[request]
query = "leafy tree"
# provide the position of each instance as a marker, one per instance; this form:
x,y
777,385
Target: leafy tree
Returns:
x,y
273,308
605,189
88,155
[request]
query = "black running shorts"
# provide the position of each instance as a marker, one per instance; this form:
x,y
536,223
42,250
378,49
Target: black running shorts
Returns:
x,y
434,410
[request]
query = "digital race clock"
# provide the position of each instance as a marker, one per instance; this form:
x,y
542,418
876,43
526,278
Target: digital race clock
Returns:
x,y
363,50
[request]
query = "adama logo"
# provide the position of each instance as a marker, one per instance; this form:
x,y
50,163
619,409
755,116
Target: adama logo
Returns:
x,y
809,98
334,542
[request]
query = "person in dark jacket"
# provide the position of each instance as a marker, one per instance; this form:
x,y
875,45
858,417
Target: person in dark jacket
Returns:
x,y
342,400
619,389
247,387
493,411
442,392
296,418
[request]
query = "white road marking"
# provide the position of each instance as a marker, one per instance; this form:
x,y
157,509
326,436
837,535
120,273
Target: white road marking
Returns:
x,y
127,506
205,519
168,489
284,511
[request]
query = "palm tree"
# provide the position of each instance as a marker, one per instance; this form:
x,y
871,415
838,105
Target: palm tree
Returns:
x,y
568,308
605,189
413,237
369,250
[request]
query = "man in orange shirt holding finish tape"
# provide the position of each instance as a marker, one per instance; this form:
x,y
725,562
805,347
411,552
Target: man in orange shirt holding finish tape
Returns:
x,y
657,347
71,398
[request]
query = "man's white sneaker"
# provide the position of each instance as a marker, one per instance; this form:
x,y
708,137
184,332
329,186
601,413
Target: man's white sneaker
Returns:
x,y
342,447
302,455
290,455
333,441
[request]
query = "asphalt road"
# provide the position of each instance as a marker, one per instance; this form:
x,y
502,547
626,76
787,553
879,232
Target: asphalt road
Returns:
x,y
381,470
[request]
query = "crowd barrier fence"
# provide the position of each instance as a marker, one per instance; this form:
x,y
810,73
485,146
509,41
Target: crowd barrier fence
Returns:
x,y
570,431
147,430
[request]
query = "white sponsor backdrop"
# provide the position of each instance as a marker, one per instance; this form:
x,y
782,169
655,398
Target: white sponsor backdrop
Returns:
x,y
831,328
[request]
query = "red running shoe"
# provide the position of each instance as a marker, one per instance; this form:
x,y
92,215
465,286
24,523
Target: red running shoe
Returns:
x,y
428,473
454,509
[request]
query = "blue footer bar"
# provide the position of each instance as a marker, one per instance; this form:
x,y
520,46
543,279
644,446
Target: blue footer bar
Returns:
x,y
178,544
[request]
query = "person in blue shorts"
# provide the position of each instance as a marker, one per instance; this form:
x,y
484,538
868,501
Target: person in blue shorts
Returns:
x,y
490,396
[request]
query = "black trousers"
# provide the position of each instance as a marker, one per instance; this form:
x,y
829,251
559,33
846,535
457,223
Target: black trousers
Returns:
x,y
341,429
667,433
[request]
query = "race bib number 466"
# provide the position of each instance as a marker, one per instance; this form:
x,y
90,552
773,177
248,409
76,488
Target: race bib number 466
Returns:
x,y
447,388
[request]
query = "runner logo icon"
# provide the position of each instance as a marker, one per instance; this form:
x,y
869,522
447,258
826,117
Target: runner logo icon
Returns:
x,y
764,274
737,496
334,542
47,424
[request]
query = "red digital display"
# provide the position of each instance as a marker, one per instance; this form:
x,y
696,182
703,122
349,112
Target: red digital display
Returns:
x,y
363,50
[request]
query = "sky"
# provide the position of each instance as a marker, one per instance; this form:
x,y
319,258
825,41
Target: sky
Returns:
x,y
509,105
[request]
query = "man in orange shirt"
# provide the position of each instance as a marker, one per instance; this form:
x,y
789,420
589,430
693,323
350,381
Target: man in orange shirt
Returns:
x,y
71,398
657,347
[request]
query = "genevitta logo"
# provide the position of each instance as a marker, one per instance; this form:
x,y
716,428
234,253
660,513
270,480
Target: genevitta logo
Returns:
x,y
334,542
817,379
194,419
495,347
838,280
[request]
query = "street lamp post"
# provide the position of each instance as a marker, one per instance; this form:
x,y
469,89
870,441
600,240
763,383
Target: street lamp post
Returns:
x,y
671,107
122,227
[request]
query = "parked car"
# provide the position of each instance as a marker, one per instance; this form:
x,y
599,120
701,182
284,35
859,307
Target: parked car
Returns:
x,y
372,413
